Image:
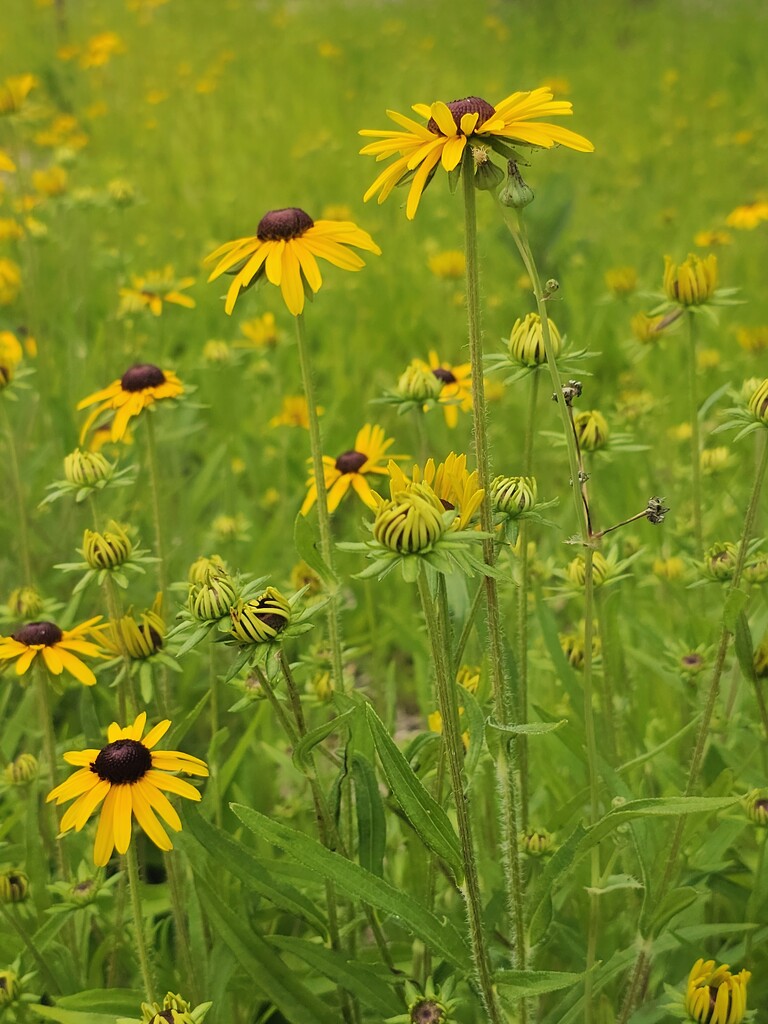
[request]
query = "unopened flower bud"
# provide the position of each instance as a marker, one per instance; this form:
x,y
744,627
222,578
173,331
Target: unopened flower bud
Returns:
x,y
760,659
693,282
10,988
203,569
536,843
213,600
322,686
756,571
526,341
121,192
720,560
419,384
692,663
514,495
576,570
487,175
646,329
411,522
14,887
86,469
84,892
516,193
758,403
22,770
756,804
259,620
109,549
25,603
591,430
426,1011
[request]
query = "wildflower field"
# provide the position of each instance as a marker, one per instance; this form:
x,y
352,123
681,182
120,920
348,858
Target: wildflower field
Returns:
x,y
383,408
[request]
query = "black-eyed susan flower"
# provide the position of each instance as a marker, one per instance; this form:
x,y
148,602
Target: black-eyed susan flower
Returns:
x,y
691,283
10,281
526,340
57,647
14,91
260,619
174,1009
591,430
131,779
350,469
140,387
137,637
454,485
714,995
456,380
260,332
294,413
748,216
153,289
285,249
449,127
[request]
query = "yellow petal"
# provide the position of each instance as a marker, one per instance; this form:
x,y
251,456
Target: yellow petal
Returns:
x,y
147,820
105,838
122,816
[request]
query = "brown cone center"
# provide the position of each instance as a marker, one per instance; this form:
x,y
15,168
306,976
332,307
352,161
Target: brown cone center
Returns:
x,y
142,376
469,105
280,225
45,633
444,375
121,762
350,462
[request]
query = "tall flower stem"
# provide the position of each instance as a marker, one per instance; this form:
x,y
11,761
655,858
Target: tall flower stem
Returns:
x,y
642,963
162,566
505,701
323,515
22,528
693,405
438,632
49,743
142,952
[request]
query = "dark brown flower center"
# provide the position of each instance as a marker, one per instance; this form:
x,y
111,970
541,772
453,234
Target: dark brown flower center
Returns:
x,y
444,375
350,462
142,376
45,633
157,640
283,224
273,620
426,1011
469,105
447,505
692,659
761,805
167,1015
122,762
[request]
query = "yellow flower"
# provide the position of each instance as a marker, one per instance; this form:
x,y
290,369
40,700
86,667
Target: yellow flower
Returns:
x,y
707,358
62,131
591,430
153,289
671,568
52,181
14,91
294,413
747,217
7,166
451,482
752,339
714,995
456,392
690,283
260,332
435,723
449,264
621,280
132,780
351,468
468,676
137,639
11,352
10,229
709,239
99,50
139,387
10,282
449,126
285,250
57,647
526,340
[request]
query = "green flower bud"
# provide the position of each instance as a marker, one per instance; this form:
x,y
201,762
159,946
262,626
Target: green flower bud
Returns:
x,y
757,570
514,495
211,601
526,342
85,469
693,282
760,659
25,603
419,383
411,522
591,430
173,1010
516,193
22,770
756,804
692,664
137,638
720,561
536,843
10,988
758,403
487,175
121,192
84,892
259,620
14,887
204,569
427,1011
107,550
576,571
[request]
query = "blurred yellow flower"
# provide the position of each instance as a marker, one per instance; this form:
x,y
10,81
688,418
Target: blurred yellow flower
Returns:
x,y
140,387
671,568
260,332
153,289
11,352
100,49
752,339
10,281
63,131
456,393
747,217
435,723
621,280
14,91
10,230
7,166
294,413
707,358
52,181
710,239
714,460
693,282
449,264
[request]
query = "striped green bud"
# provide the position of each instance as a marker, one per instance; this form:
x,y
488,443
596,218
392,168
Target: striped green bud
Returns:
x,y
204,569
14,887
85,469
412,521
758,403
259,620
25,603
22,770
514,495
109,549
526,340
10,988
591,430
211,601
419,384
756,804
576,570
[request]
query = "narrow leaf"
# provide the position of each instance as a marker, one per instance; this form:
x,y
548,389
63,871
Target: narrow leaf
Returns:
x,y
306,547
307,744
520,984
371,820
529,728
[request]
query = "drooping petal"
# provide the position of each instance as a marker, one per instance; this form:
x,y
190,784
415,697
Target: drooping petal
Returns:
x,y
160,803
81,810
123,808
73,786
147,820
76,668
105,833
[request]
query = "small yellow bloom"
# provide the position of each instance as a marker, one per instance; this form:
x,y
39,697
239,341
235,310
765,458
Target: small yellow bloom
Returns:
x,y
260,332
591,429
714,995
749,216
10,282
451,483
154,288
456,392
682,432
449,264
349,470
294,413
707,358
526,340
752,339
671,568
710,239
14,91
139,387
693,282
132,780
621,281
11,352
435,723
10,230
52,181
100,49
57,647
7,166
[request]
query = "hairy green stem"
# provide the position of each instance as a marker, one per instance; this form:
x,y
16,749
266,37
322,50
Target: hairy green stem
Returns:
x,y
142,951
22,528
693,401
323,515
449,710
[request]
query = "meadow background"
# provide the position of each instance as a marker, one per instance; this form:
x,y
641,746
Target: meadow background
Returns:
x,y
210,114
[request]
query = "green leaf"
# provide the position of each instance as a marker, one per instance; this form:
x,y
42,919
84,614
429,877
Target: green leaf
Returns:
x,y
520,984
120,1001
306,547
358,979
265,969
354,881
219,848
744,648
540,895
734,606
474,718
426,816
371,820
303,750
673,903
614,883
529,728
63,1016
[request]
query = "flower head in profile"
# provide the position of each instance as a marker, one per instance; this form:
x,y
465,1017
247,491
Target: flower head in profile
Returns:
x,y
446,129
714,995
131,779
350,469
285,249
137,637
151,290
452,483
140,387
456,392
59,648
693,282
